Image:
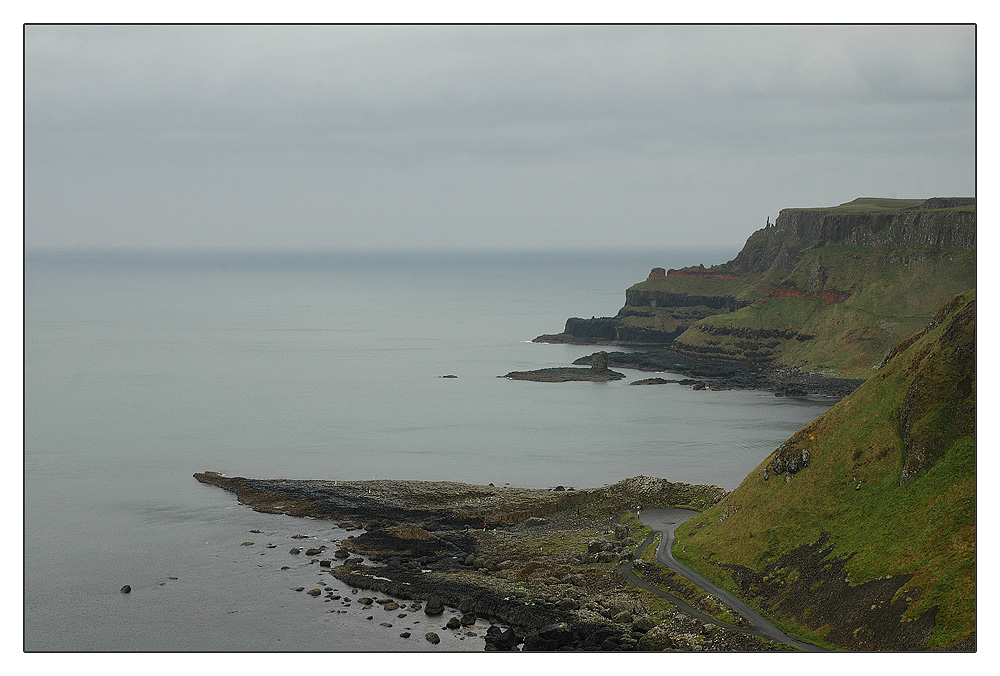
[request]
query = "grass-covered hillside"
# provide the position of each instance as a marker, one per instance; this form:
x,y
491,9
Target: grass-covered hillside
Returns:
x,y
826,290
871,304
859,532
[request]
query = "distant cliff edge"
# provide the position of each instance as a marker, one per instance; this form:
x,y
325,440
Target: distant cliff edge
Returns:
x,y
826,290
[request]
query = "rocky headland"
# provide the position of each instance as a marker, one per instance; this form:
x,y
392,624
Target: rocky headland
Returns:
x,y
827,291
547,569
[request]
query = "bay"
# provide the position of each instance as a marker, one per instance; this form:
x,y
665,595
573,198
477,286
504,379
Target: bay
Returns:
x,y
143,368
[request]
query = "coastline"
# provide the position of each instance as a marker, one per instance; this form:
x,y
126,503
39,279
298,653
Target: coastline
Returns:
x,y
546,572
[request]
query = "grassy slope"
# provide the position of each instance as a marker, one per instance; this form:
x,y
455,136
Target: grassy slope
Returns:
x,y
925,527
887,304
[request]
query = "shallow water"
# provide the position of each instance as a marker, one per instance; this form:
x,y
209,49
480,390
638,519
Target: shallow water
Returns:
x,y
141,370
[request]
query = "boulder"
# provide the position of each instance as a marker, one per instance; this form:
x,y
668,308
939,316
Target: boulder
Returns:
x,y
469,619
550,637
643,623
341,554
315,592
434,606
501,639
432,637
453,623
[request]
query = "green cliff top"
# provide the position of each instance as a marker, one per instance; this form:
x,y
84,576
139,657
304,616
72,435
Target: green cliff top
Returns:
x,y
874,205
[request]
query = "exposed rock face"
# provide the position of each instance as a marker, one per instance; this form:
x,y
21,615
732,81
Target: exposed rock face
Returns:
x,y
943,385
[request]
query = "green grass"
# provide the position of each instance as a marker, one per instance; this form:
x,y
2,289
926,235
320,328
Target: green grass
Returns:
x,y
887,304
926,527
865,205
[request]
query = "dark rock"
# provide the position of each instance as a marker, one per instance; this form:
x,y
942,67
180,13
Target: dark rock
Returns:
x,y
449,376
246,544
501,639
294,550
453,623
315,592
432,637
366,600
392,605
325,563
405,634
342,554
313,552
550,637
469,619
299,536
561,374
434,606
127,589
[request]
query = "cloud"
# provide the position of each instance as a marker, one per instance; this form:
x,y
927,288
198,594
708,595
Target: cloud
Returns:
x,y
601,113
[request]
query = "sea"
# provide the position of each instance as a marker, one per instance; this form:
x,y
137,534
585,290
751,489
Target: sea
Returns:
x,y
142,368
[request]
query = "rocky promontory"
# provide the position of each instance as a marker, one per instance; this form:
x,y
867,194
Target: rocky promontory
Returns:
x,y
828,291
543,567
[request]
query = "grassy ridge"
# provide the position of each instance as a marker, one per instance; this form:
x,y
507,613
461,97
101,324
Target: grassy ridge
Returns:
x,y
887,303
917,412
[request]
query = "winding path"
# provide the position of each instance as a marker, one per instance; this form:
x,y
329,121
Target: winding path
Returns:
x,y
666,521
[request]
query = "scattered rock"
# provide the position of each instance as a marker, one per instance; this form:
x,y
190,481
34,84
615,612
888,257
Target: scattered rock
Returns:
x,y
469,619
501,639
127,589
434,606
405,634
294,550
453,623
313,552
246,544
432,637
315,592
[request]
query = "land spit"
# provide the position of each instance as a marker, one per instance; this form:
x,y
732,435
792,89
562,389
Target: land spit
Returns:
x,y
545,567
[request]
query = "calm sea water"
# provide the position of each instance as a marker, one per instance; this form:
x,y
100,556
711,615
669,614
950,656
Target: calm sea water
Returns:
x,y
142,369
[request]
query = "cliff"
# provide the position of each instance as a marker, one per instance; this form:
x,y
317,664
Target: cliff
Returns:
x,y
860,530
825,290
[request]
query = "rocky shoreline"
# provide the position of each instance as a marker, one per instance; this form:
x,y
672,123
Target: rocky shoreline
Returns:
x,y
546,569
713,375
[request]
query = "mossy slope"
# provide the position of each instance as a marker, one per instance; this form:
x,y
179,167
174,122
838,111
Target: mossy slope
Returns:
x,y
826,290
860,530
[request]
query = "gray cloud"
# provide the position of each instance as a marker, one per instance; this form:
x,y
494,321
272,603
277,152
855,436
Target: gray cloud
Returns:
x,y
458,137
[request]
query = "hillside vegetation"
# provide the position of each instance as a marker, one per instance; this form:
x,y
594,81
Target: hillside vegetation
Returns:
x,y
859,532
826,290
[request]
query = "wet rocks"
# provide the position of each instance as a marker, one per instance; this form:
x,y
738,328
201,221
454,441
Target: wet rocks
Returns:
x,y
498,639
432,637
434,606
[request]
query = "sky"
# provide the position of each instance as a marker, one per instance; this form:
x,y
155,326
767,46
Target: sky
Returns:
x,y
480,137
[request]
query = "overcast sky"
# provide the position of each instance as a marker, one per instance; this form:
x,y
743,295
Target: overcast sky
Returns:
x,y
524,138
